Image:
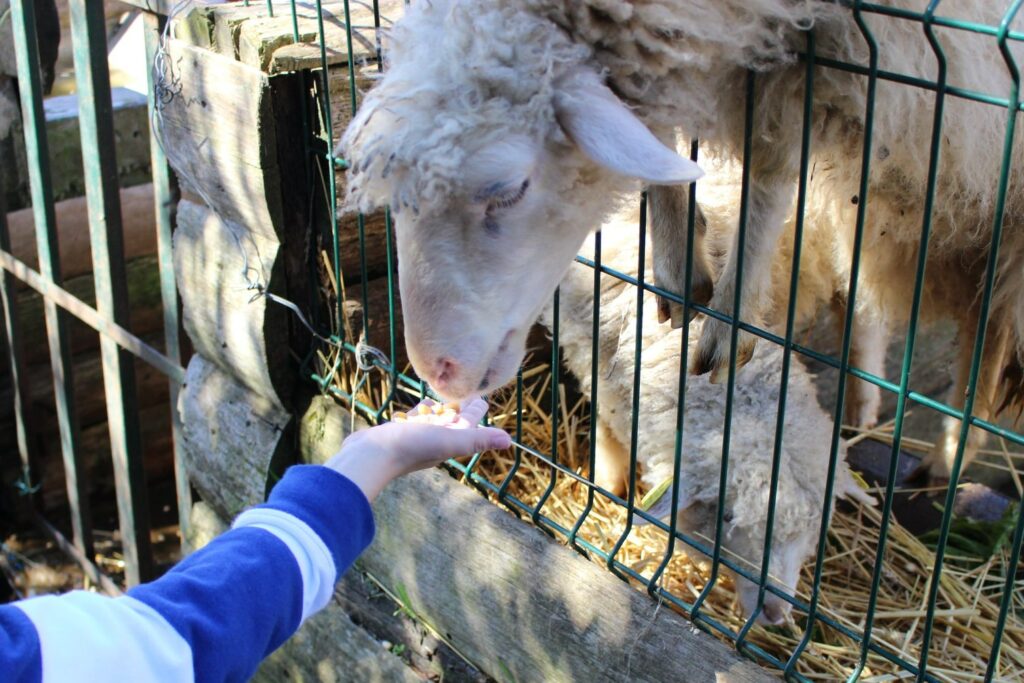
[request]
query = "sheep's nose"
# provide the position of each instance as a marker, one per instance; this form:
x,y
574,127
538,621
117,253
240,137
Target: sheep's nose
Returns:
x,y
774,613
443,373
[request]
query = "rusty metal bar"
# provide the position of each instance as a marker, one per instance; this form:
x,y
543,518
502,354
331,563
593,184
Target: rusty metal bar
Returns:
x,y
96,122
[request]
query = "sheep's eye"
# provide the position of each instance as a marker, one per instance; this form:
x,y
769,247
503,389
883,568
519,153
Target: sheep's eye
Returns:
x,y
727,518
503,201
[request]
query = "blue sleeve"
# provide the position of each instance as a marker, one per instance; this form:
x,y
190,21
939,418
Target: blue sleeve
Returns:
x,y
20,656
219,612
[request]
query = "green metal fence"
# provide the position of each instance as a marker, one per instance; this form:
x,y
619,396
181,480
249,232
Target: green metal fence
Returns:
x,y
929,18
118,346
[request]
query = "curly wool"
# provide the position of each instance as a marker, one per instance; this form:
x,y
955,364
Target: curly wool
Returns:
x,y
445,90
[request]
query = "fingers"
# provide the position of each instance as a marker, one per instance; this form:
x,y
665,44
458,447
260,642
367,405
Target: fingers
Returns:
x,y
459,442
427,411
473,412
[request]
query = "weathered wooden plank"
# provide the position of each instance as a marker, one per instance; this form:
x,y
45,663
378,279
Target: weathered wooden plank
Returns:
x,y
514,600
329,647
373,610
62,126
143,300
230,437
219,136
253,37
244,334
73,231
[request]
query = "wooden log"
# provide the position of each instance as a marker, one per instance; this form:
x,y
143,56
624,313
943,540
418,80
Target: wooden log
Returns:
x,y
373,610
131,134
330,647
219,137
244,334
73,231
143,300
514,600
251,36
506,595
230,438
90,403
91,409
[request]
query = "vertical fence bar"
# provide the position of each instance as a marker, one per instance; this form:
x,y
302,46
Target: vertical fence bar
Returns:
x,y
787,350
164,201
677,457
23,16
979,339
19,382
595,359
96,122
1012,562
638,345
740,246
555,365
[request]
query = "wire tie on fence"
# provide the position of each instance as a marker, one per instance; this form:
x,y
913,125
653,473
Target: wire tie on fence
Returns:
x,y
364,350
24,485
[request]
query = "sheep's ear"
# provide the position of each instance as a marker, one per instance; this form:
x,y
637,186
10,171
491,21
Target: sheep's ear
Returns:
x,y
607,132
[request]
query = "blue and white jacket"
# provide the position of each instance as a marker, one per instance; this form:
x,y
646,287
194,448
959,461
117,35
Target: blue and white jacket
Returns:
x,y
215,615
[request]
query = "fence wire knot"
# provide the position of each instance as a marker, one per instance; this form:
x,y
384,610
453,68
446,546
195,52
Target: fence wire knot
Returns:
x,y
24,486
366,354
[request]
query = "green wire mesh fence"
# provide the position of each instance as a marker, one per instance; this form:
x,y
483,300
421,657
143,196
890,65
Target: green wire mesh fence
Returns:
x,y
369,379
813,616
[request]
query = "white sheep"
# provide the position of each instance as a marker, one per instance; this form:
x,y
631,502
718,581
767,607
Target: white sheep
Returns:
x,y
806,436
503,129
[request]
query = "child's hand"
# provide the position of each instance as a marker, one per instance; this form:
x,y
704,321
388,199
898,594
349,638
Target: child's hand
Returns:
x,y
373,457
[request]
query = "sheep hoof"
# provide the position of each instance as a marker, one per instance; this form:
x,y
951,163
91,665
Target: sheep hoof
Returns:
x,y
712,351
677,313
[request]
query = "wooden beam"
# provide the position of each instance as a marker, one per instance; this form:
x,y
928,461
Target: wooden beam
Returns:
x,y
243,333
231,437
251,36
219,137
516,601
131,124
73,231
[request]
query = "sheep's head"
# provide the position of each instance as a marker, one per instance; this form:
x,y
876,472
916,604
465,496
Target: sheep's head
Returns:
x,y
795,530
496,165
743,543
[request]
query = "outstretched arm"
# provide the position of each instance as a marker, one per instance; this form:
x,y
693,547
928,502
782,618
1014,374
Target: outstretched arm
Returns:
x,y
224,608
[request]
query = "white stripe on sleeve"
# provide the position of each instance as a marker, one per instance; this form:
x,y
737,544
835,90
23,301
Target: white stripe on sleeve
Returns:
x,y
86,636
316,563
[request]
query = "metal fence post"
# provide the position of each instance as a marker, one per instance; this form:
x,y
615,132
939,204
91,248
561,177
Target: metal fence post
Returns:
x,y
37,150
88,30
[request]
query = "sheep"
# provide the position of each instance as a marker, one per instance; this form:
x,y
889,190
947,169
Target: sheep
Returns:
x,y
806,436
503,129
887,276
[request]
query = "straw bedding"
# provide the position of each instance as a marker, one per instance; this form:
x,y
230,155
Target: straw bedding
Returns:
x,y
969,596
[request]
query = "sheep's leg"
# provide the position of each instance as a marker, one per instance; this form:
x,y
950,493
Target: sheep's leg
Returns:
x,y
611,466
867,352
939,462
669,205
768,202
